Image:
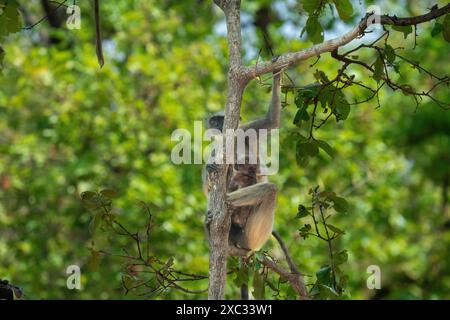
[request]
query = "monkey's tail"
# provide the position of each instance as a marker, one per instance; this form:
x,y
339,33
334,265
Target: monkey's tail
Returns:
x,y
244,292
244,287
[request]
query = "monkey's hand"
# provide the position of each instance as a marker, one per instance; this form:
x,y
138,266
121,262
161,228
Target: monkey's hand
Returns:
x,y
275,58
212,167
238,252
208,219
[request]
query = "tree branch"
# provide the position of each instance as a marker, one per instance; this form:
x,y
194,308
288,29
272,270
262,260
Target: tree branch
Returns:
x,y
293,278
291,264
291,58
232,9
409,21
300,284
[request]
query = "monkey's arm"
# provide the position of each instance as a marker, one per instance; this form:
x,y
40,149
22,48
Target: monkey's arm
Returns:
x,y
272,118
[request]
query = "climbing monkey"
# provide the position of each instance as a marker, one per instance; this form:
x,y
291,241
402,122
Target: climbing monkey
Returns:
x,y
249,194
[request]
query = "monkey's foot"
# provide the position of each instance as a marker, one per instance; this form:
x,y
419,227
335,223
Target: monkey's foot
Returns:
x,y
208,219
238,252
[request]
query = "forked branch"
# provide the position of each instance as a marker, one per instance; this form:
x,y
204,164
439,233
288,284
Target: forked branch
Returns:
x,y
292,58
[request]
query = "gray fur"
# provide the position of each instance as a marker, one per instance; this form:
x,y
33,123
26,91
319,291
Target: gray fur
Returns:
x,y
250,196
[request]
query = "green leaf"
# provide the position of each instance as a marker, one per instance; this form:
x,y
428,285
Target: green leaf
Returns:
x,y
88,195
326,194
10,21
109,193
405,29
301,160
291,294
299,149
314,29
169,263
95,222
305,228
342,107
330,289
389,53
446,28
325,97
299,100
310,6
302,212
340,204
302,99
90,200
335,229
341,257
315,290
325,147
324,275
301,115
321,76
298,118
378,73
306,94
310,148
302,157
396,67
344,8
437,29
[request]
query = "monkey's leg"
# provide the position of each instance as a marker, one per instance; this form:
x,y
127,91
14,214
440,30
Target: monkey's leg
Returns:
x,y
260,222
252,195
244,286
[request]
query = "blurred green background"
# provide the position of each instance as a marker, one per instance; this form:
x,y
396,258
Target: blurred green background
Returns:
x,y
68,126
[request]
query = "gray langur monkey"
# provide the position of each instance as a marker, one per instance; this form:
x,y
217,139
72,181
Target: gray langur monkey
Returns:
x,y
249,194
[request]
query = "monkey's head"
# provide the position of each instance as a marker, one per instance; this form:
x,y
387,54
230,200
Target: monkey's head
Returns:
x,y
215,120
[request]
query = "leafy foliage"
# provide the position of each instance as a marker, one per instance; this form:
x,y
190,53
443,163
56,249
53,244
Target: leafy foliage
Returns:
x,y
315,8
331,280
10,22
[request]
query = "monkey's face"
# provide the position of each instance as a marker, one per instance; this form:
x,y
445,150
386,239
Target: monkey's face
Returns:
x,y
215,122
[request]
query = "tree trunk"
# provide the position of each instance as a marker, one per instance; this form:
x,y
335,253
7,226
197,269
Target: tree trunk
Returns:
x,y
221,217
